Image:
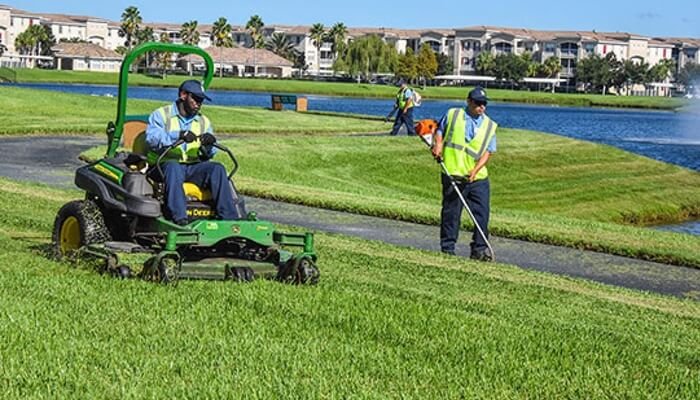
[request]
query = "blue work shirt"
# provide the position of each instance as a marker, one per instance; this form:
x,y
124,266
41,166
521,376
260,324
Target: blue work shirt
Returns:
x,y
470,128
158,139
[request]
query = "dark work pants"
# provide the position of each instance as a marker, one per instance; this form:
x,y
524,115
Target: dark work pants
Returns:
x,y
478,195
404,118
207,175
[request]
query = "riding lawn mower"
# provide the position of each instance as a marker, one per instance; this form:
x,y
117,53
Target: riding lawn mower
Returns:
x,y
122,214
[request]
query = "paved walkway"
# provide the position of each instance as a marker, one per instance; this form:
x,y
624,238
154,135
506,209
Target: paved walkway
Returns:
x,y
52,160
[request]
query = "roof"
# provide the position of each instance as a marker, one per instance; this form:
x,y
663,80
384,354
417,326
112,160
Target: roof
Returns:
x,y
243,56
84,50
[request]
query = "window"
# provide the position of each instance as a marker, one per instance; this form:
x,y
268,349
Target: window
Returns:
x,y
549,47
466,61
503,47
477,46
467,45
60,29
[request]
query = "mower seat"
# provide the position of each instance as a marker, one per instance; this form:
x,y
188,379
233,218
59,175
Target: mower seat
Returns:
x,y
134,139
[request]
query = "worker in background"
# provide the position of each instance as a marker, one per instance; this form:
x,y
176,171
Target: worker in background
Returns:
x,y
404,105
464,140
188,162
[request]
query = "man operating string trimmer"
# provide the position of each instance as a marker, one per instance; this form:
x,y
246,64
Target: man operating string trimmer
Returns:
x,y
463,143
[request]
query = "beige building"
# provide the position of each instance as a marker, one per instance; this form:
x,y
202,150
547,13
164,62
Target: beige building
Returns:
x,y
86,57
462,45
241,61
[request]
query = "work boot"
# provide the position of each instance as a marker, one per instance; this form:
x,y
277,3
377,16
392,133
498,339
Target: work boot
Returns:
x,y
448,252
481,255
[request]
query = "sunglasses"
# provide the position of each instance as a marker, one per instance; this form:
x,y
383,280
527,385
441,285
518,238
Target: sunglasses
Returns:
x,y
479,103
197,99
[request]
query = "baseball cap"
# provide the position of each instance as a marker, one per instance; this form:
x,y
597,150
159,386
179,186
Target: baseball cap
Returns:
x,y
400,82
195,87
478,94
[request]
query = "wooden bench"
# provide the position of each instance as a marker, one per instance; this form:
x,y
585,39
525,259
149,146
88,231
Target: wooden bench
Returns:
x,y
279,100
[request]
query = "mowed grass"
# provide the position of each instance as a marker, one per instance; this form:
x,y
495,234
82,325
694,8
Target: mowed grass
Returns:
x,y
565,192
383,322
568,192
355,90
30,111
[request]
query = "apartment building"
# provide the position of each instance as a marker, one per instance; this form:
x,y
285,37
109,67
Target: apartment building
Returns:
x,y
462,45
568,46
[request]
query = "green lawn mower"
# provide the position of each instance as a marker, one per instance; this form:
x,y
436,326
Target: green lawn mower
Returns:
x,y
121,215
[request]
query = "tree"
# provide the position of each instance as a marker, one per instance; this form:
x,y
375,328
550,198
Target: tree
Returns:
x,y
141,36
426,63
485,63
163,58
445,64
368,55
550,68
407,67
531,66
254,27
599,73
336,35
36,40
189,33
279,44
131,21
689,75
510,68
317,33
221,37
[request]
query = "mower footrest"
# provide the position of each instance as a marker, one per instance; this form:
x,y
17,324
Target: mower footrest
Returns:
x,y
126,247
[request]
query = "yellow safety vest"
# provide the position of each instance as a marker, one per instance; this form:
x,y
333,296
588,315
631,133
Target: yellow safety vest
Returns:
x,y
460,157
172,124
401,99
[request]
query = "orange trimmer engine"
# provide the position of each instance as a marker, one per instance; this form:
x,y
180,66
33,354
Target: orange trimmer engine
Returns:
x,y
426,128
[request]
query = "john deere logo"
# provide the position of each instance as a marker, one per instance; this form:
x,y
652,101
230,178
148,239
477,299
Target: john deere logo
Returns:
x,y
212,226
236,229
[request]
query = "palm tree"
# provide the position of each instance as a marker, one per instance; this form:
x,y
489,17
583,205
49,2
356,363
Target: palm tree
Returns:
x,y
131,19
221,37
189,33
163,58
317,33
551,67
337,35
280,45
254,27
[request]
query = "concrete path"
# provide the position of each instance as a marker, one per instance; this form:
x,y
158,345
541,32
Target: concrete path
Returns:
x,y
52,160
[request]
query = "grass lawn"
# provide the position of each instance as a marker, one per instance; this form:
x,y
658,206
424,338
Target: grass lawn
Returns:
x,y
73,113
355,90
383,322
569,192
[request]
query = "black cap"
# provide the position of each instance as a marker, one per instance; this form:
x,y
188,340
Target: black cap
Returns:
x,y
195,87
400,82
478,94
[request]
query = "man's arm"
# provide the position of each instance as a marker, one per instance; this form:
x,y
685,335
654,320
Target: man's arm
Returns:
x,y
208,151
437,138
156,136
408,95
479,165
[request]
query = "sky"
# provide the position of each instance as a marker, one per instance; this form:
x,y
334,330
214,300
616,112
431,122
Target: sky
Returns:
x,y
674,18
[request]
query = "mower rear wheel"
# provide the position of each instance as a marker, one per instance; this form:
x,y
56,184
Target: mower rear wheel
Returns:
x,y
78,223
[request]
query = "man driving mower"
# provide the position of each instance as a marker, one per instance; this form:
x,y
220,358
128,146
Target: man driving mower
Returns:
x,y
190,161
